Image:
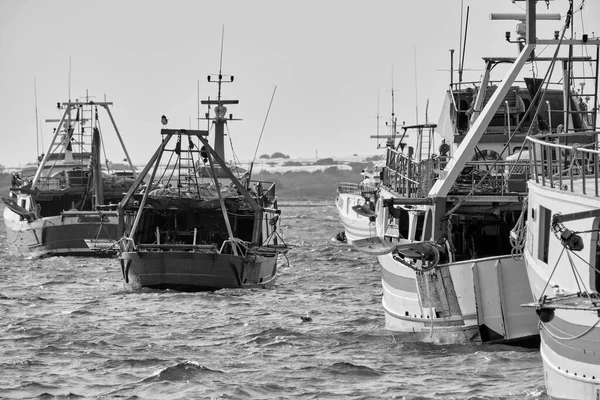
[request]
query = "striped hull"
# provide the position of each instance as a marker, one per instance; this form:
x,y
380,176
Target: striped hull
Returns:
x,y
464,302
570,348
196,271
58,235
571,361
356,226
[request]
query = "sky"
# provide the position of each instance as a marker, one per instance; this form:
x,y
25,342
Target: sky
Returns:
x,y
329,67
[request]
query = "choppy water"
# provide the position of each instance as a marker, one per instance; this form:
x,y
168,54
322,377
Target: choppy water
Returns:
x,y
69,330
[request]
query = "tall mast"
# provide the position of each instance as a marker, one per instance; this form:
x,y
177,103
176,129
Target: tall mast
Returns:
x,y
37,134
220,118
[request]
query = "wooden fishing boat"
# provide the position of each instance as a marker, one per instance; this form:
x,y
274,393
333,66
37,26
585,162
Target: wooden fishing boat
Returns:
x,y
194,224
73,194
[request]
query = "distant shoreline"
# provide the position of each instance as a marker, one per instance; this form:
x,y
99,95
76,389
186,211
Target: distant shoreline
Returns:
x,y
290,186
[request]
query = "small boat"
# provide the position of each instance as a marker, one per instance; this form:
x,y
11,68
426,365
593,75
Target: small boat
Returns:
x,y
196,224
355,204
449,271
71,195
560,240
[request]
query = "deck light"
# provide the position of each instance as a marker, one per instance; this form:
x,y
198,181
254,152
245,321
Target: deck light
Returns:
x,y
507,35
556,35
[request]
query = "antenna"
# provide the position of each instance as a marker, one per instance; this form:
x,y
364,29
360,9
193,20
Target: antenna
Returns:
x,y
222,41
464,49
462,7
69,79
37,134
378,117
416,92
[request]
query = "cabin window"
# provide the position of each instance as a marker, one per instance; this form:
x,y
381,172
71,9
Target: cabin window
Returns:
x,y
595,257
544,233
419,228
403,222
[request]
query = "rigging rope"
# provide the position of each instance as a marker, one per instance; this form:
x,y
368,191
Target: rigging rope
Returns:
x,y
518,234
264,124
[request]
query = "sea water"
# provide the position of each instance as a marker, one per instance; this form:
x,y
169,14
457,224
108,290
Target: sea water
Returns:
x,y
68,329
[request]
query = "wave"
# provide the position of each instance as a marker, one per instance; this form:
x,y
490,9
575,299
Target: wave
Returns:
x,y
183,371
349,369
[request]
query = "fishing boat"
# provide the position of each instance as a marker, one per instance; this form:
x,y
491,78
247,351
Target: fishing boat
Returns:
x,y
448,270
67,204
561,236
355,204
195,224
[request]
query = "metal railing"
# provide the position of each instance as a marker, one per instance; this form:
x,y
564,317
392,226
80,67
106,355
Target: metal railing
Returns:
x,y
566,167
415,179
355,188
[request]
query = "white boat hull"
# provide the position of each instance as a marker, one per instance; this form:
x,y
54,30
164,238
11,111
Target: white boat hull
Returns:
x,y
356,226
475,301
570,341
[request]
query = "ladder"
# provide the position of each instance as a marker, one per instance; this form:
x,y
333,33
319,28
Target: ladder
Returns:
x,y
189,156
585,104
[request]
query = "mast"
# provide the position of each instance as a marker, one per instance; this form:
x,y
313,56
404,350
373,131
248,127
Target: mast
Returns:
x,y
37,134
96,168
220,119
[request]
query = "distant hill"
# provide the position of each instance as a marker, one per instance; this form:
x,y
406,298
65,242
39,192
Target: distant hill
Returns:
x,y
318,185
296,180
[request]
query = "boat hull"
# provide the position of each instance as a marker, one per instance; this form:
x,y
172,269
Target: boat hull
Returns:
x,y
61,235
476,301
196,271
355,225
570,340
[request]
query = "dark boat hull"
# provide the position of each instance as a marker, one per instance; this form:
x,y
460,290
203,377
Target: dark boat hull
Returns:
x,y
61,235
196,271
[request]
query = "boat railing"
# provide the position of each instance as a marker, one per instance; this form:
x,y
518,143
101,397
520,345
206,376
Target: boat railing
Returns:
x,y
402,174
566,167
493,177
355,188
51,183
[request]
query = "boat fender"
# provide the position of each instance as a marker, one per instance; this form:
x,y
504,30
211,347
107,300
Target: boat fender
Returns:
x,y
545,314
